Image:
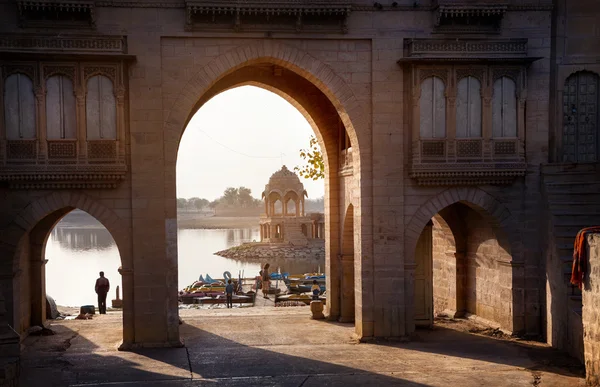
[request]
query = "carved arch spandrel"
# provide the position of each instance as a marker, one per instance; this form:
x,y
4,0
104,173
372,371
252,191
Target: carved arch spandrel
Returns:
x,y
29,69
68,70
111,72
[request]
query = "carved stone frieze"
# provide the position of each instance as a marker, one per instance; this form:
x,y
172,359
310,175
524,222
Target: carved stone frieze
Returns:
x,y
465,47
63,176
79,44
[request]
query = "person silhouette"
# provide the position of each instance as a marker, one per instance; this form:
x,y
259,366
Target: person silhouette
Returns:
x,y
102,288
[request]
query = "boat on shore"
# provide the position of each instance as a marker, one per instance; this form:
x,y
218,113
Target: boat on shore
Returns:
x,y
302,283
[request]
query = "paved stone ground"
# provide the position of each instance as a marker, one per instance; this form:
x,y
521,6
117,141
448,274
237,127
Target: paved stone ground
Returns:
x,y
267,346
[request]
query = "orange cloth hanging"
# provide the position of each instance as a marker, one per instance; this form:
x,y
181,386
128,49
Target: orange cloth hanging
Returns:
x,y
579,259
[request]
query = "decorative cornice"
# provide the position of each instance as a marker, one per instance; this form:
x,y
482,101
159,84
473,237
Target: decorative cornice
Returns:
x,y
69,43
467,173
104,177
448,48
56,4
355,7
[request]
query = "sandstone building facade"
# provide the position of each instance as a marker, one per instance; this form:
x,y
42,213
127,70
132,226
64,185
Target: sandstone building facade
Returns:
x,y
460,140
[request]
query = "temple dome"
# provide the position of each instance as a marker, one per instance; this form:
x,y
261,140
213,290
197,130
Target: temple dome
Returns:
x,y
284,174
284,181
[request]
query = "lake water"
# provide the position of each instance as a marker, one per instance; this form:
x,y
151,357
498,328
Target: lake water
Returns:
x,y
80,247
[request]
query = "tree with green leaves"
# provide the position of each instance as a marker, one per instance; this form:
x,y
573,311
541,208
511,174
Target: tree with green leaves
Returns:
x,y
315,166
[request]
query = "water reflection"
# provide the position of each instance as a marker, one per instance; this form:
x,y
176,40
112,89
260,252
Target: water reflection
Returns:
x,y
79,247
83,238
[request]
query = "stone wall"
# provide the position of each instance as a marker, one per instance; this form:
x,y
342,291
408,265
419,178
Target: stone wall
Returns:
x,y
444,268
488,290
591,312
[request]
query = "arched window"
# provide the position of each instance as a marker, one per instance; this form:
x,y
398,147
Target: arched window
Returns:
x,y
504,108
468,108
60,108
100,109
432,105
291,207
581,98
19,107
277,207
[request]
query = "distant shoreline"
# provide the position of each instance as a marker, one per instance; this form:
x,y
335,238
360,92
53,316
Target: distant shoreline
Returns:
x,y
190,221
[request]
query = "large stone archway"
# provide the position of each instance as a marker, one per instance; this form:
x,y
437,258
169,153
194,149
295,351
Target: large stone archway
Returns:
x,y
496,216
36,221
319,94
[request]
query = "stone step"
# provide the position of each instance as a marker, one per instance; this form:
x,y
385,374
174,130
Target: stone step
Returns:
x,y
576,206
580,197
591,188
570,168
576,220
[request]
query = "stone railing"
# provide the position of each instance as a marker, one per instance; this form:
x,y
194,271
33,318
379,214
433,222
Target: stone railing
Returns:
x,y
61,163
467,161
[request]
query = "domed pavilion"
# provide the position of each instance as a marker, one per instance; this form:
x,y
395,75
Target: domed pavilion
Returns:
x,y
284,220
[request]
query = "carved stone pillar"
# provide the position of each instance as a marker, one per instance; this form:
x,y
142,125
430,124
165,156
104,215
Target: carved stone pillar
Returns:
x,y
38,286
266,207
120,95
81,127
416,126
450,125
521,123
486,124
40,109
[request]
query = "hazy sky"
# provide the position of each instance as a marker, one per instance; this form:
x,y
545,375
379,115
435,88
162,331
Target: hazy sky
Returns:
x,y
240,138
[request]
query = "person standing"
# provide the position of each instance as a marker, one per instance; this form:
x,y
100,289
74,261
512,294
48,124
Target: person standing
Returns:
x,y
229,293
102,288
266,280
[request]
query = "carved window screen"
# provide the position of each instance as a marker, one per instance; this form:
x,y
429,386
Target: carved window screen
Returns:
x,y
468,108
60,108
504,108
580,118
19,107
432,105
100,109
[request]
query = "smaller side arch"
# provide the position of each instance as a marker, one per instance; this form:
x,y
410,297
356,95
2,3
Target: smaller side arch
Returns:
x,y
42,207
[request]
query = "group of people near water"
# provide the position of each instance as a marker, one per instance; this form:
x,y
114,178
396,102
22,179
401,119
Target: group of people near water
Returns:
x,y
265,278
